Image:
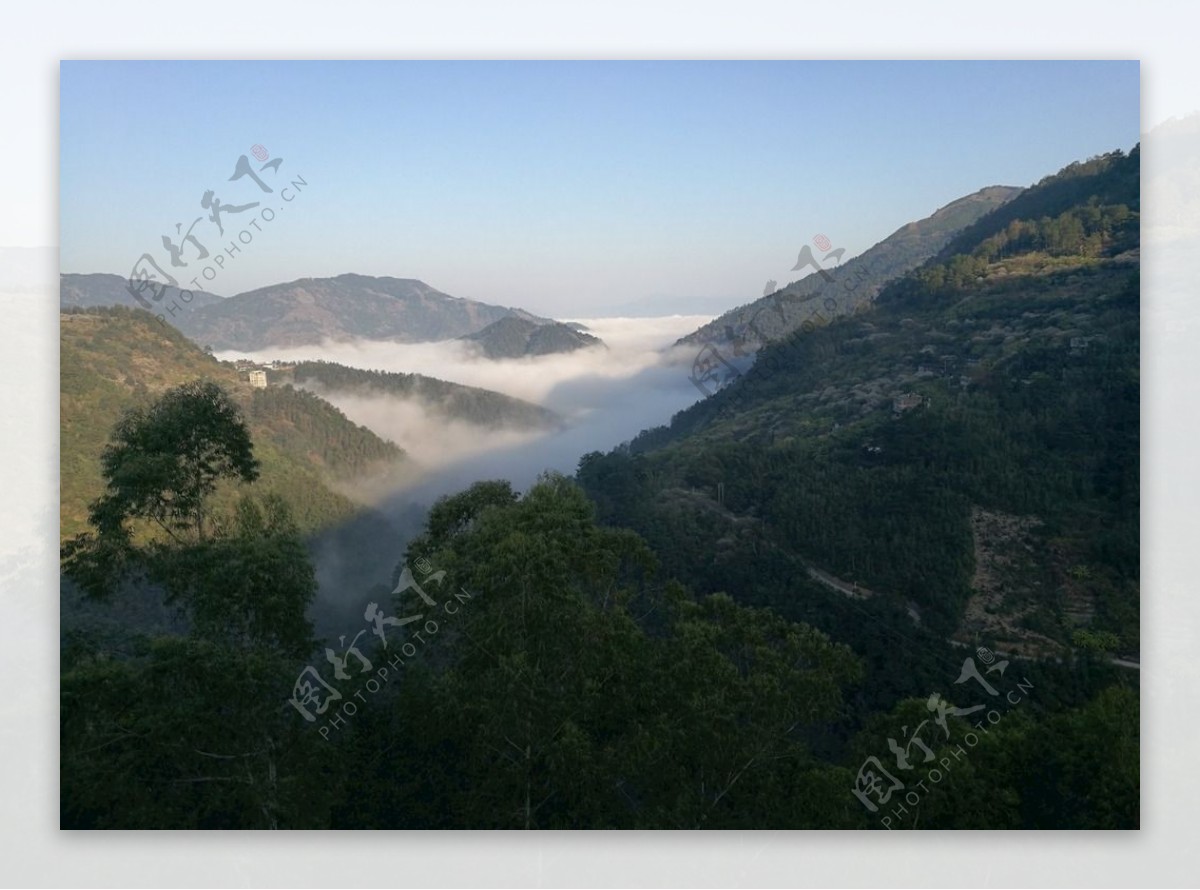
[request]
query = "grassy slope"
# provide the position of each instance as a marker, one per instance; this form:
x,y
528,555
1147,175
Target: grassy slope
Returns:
x,y
113,359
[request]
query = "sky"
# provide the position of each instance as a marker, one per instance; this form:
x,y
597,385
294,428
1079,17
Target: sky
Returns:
x,y
565,188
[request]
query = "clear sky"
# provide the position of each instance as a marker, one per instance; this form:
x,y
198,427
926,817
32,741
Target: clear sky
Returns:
x,y
562,187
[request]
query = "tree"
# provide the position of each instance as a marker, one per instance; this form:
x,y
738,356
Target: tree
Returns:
x,y
192,732
1081,768
249,585
166,460
162,464
187,733
243,581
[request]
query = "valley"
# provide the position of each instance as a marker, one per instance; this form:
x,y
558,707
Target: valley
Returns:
x,y
659,579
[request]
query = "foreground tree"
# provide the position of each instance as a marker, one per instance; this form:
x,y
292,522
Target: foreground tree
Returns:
x,y
191,731
187,733
161,467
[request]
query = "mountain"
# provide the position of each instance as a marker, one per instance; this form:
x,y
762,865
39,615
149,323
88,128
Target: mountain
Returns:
x,y
450,401
115,358
958,468
94,290
347,307
777,314
514,337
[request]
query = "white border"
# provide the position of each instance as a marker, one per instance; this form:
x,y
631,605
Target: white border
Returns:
x,y
35,853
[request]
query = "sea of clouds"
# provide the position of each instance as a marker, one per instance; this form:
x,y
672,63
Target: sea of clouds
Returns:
x,y
606,395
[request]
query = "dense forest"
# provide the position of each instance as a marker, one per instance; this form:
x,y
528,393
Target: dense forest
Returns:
x,y
297,420
886,579
555,681
956,468
1022,397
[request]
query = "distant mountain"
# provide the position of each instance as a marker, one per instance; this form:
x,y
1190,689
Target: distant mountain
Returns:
x,y
778,314
517,337
347,307
451,401
94,290
114,358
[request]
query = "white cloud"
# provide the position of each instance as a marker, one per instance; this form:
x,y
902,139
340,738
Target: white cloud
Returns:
x,y
607,395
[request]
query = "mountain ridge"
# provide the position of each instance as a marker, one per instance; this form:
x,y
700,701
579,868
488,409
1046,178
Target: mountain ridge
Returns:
x,y
777,314
451,401
305,311
95,290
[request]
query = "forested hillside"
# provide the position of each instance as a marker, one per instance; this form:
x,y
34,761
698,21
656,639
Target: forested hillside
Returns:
x,y
451,401
115,359
957,467
557,680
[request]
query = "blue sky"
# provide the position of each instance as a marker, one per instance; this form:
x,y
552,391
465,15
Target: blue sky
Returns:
x,y
562,187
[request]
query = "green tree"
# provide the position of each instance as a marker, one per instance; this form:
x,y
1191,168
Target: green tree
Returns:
x,y
247,586
195,731
1081,769
166,460
161,465
244,580
188,733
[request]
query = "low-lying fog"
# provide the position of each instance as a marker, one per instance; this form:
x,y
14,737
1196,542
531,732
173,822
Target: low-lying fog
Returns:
x,y
605,396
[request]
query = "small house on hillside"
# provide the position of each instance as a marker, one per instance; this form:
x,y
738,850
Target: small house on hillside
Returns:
x,y
905,402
